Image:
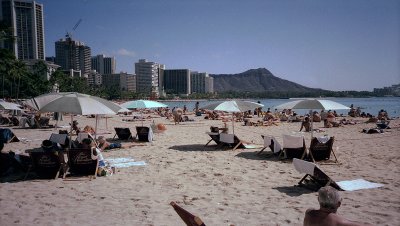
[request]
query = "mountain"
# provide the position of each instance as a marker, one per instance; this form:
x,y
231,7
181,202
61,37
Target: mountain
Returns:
x,y
255,80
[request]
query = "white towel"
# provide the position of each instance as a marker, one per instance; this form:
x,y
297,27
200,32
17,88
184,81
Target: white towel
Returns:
x,y
303,166
290,141
226,138
323,139
267,143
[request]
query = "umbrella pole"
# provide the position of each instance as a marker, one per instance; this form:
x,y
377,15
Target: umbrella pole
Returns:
x,y
312,123
70,131
95,133
233,125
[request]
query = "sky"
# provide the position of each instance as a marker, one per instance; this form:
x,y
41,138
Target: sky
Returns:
x,y
329,44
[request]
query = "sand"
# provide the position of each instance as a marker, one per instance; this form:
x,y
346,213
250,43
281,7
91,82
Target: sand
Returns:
x,y
223,187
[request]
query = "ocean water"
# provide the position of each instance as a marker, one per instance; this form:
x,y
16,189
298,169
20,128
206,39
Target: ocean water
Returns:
x,y
368,105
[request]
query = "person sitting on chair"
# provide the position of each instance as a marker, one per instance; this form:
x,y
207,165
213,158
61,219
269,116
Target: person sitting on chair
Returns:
x,y
306,124
329,201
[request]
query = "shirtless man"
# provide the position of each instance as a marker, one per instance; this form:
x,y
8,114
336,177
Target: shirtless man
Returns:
x,y
329,201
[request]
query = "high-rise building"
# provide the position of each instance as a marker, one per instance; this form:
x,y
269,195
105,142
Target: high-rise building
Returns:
x,y
177,81
75,55
122,81
26,20
103,64
201,82
94,78
148,76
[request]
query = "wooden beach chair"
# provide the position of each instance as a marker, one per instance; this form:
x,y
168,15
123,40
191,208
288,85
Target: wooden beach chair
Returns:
x,y
123,133
231,140
293,147
214,135
271,143
82,162
144,133
186,216
315,178
46,164
321,149
7,136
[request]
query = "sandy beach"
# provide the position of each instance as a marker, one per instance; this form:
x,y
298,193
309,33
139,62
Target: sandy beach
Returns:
x,y
222,187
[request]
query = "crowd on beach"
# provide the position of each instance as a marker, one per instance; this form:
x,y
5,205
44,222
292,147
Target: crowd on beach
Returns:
x,y
328,198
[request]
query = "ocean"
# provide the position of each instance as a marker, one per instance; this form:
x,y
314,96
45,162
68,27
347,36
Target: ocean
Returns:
x,y
370,105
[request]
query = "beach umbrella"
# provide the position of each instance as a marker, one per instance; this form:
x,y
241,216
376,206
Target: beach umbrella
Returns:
x,y
143,104
75,103
233,106
312,104
4,105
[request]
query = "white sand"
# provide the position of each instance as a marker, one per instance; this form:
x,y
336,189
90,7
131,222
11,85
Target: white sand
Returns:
x,y
222,187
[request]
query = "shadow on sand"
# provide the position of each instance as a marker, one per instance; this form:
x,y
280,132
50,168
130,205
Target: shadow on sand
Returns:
x,y
294,191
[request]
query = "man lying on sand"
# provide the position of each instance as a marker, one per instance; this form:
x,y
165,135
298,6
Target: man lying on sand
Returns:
x,y
329,201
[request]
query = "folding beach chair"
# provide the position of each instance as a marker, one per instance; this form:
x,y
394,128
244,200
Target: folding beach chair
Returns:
x,y
293,147
321,148
214,135
7,136
187,217
144,133
82,161
46,164
315,178
230,140
383,124
123,133
271,143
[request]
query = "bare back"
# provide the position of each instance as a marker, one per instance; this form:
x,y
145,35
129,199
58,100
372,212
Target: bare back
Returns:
x,y
319,217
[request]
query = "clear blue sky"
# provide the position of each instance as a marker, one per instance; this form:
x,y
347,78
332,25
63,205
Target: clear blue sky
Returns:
x,y
329,44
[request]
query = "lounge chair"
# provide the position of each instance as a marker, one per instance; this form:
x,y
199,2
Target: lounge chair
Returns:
x,y
123,133
315,178
214,135
293,147
231,140
82,161
47,164
271,143
321,148
144,133
187,217
7,136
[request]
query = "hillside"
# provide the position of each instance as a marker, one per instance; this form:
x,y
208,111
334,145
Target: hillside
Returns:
x,y
255,80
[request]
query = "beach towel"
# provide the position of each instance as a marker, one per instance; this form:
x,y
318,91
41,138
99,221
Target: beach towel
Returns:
x,y
124,162
267,142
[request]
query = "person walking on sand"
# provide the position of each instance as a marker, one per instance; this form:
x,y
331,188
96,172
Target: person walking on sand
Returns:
x,y
329,201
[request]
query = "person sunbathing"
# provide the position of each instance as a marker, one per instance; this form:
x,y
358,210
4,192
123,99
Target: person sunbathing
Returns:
x,y
329,201
105,145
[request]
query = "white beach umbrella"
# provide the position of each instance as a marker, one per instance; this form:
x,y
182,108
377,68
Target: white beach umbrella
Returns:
x,y
312,104
143,104
4,105
75,103
233,106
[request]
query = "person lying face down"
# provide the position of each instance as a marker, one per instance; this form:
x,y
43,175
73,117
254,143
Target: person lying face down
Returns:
x,y
329,201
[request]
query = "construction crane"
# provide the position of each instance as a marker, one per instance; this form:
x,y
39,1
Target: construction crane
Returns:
x,y
69,34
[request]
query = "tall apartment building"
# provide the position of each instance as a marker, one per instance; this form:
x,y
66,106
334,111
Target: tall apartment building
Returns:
x,y
26,20
103,64
148,75
122,81
94,78
75,55
201,82
177,81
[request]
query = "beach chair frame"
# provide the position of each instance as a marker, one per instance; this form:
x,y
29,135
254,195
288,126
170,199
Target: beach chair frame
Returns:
x,y
80,162
322,151
123,133
271,147
47,164
292,153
